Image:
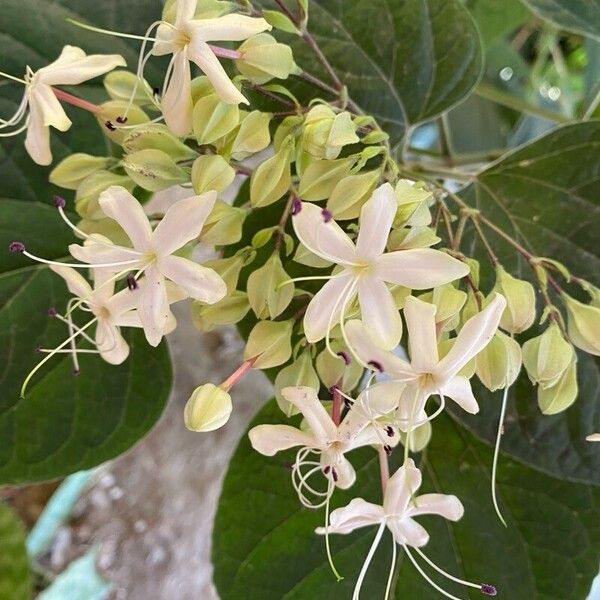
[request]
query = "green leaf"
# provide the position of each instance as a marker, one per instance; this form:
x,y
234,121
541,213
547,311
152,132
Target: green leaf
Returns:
x,y
15,579
581,16
544,194
496,19
546,551
424,58
65,423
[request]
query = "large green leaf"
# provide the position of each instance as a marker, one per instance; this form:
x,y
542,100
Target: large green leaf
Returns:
x,y
403,62
496,19
15,579
33,33
545,194
582,16
64,423
548,551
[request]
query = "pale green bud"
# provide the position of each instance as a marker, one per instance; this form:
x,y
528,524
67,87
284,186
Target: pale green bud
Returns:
x,y
89,190
70,172
594,292
304,256
268,298
333,369
158,137
114,109
208,408
213,119
153,170
253,135
107,228
349,195
263,58
326,133
419,437
449,302
562,394
499,363
224,225
321,177
119,85
271,179
289,127
300,372
211,172
201,88
444,347
583,325
413,204
280,21
228,311
270,341
407,238
229,268
547,356
519,313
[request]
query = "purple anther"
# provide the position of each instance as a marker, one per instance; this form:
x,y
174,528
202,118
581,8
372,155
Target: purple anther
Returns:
x,y
388,450
296,206
76,372
333,389
488,590
327,215
121,120
38,349
376,365
52,312
326,470
132,284
334,475
16,247
348,403
110,126
59,202
345,357
156,91
390,431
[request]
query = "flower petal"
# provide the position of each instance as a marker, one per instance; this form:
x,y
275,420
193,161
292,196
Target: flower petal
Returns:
x,y
200,53
327,240
376,218
325,309
76,283
475,335
422,336
182,222
408,532
364,346
201,283
176,103
444,505
73,67
42,97
379,313
110,343
319,422
358,513
185,11
153,308
98,254
400,487
270,439
420,268
459,389
228,28
345,475
121,206
37,141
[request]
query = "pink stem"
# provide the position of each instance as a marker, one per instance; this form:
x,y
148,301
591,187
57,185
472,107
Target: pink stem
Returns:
x,y
384,468
75,101
225,52
336,406
237,374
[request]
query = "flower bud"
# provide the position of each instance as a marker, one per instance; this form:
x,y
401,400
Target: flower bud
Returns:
x,y
89,190
321,177
115,109
562,394
305,257
407,238
419,437
211,172
270,341
229,268
583,325
213,119
252,136
547,356
224,225
228,311
263,58
119,85
519,313
413,204
70,172
444,347
350,193
158,137
268,298
325,133
153,170
300,373
271,179
449,302
335,369
208,408
499,363
279,21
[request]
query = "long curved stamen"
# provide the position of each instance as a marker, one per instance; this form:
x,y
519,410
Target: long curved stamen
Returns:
x,y
426,577
18,116
438,411
315,278
365,567
327,546
16,131
388,587
65,351
75,328
347,292
73,344
497,454
131,36
410,424
12,78
300,480
486,589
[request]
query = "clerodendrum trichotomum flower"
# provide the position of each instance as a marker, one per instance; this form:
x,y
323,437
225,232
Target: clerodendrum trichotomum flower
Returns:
x,y
42,99
367,268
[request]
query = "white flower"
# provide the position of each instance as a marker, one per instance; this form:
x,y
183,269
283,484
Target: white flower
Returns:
x,y
152,253
426,374
367,268
324,436
187,40
72,67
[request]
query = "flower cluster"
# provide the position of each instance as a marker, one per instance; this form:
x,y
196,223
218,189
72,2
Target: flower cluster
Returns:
x,y
344,286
